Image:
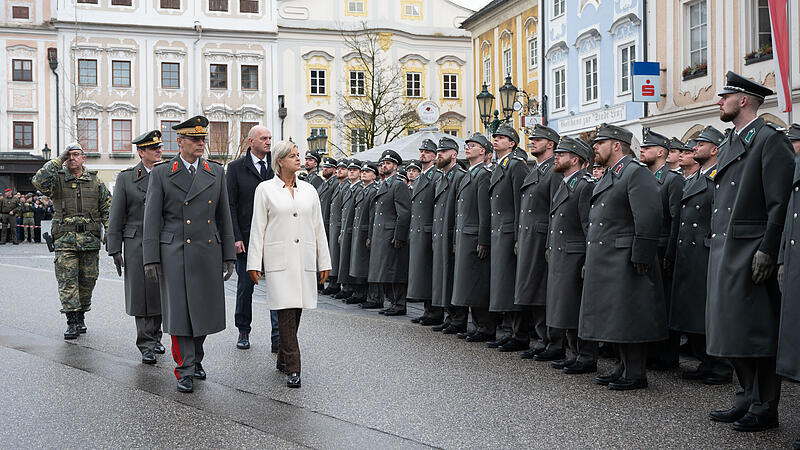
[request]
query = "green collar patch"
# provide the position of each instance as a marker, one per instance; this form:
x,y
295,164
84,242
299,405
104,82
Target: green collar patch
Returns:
x,y
572,182
750,135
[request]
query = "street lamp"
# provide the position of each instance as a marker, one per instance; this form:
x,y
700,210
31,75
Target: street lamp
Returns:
x,y
311,141
485,100
508,95
322,142
46,152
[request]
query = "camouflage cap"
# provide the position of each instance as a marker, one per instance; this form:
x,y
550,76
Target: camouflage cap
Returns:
x,y
482,141
542,131
428,145
794,132
651,138
576,146
507,131
606,131
711,134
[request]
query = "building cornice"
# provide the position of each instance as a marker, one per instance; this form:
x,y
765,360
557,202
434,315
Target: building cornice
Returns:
x,y
138,29
435,33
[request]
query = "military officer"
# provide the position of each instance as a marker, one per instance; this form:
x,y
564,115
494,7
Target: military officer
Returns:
x,y
413,170
752,184
363,212
81,202
623,300
335,226
313,159
531,283
472,235
794,135
688,165
9,210
355,286
27,211
505,197
566,252
325,190
125,224
655,149
689,281
388,249
188,246
444,222
420,237
673,154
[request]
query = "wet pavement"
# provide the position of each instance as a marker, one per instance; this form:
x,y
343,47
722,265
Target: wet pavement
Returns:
x,y
368,381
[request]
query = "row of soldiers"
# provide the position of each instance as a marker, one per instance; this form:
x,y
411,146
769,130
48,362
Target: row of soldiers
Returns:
x,y
636,258
21,217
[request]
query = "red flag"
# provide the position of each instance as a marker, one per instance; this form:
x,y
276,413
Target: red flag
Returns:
x,y
780,51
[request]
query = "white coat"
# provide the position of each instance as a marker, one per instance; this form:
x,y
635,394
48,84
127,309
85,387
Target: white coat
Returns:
x,y
288,237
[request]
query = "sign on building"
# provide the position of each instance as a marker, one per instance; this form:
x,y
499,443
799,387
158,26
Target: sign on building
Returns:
x,y
646,81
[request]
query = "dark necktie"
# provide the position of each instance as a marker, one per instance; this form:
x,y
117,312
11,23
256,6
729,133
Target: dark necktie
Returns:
x,y
263,170
191,170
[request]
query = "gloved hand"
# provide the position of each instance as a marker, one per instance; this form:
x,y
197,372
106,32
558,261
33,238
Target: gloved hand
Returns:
x,y
780,277
228,267
152,271
483,251
397,243
668,265
547,255
119,262
369,242
641,268
762,266
516,247
583,272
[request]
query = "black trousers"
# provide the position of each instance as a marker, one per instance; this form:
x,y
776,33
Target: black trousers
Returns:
x,y
484,321
288,347
395,294
148,332
759,387
582,351
632,363
187,351
708,363
431,312
521,324
457,316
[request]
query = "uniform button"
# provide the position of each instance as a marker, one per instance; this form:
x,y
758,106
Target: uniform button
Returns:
x,y
188,222
682,223
601,242
559,248
714,235
792,242
796,188
188,241
209,220
733,183
588,242
185,203
552,215
693,244
697,207
602,204
295,214
684,206
794,215
561,215
560,232
694,225
601,224
209,202
551,231
296,241
729,210
529,211
592,206
717,186
680,241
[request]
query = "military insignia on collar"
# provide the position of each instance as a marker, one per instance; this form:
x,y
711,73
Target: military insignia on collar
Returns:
x,y
140,173
659,173
174,166
618,168
505,161
750,135
572,182
74,186
712,174
206,166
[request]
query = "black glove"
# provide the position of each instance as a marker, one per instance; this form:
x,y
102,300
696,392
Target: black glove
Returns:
x,y
641,268
397,243
668,266
763,265
547,255
780,277
483,251
152,271
516,247
369,242
119,262
228,267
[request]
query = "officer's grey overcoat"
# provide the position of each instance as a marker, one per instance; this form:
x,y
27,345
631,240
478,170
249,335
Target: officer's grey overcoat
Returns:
x,y
617,304
670,188
789,338
348,213
325,192
390,221
363,212
125,224
188,229
420,250
444,224
751,192
335,225
473,227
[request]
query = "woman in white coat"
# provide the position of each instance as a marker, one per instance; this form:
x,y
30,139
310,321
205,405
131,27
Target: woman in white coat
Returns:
x,y
288,238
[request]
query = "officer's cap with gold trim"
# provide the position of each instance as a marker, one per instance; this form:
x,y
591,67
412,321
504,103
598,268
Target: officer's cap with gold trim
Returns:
x,y
313,154
606,131
428,145
482,141
650,138
541,131
575,146
735,83
507,131
148,139
328,162
794,132
391,155
371,166
414,164
447,143
711,134
196,126
354,164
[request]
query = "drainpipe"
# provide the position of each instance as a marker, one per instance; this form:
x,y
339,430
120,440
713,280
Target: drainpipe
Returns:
x,y
644,48
53,61
197,91
542,68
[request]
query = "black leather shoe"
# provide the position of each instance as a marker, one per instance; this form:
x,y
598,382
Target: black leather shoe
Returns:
x,y
343,294
148,357
440,327
159,348
752,423
604,380
371,305
416,319
796,445
244,341
513,345
186,384
713,379
454,330
549,355
499,342
199,373
281,367
427,322
293,380
694,374
72,327
727,415
353,301
480,337
531,353
624,384
561,363
81,322
395,312
579,367
465,334
331,290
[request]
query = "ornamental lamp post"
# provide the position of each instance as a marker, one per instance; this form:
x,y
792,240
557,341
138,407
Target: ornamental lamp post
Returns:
x,y
508,95
311,140
485,100
46,152
322,142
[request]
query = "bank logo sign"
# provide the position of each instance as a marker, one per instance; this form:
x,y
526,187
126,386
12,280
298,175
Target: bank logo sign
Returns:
x,y
646,82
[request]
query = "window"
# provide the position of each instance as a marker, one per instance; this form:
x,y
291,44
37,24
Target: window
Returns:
x,y
697,33
451,132
20,12
87,72
93,2
590,80
413,84
121,2
169,136
170,4
558,7
218,5
450,85
121,73
219,76
533,52
559,89
22,70
357,83
627,55
170,75
487,71
219,138
358,140
87,134
248,6
317,82
244,130
120,135
507,62
23,134
355,6
763,27
412,10
249,78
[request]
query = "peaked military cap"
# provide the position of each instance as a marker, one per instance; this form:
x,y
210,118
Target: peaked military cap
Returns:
x,y
651,138
447,143
428,145
606,131
344,162
354,164
401,174
689,145
711,134
735,83
371,166
302,176
481,140
414,164
148,139
507,131
314,155
391,155
575,146
548,133
676,144
196,126
329,162
794,132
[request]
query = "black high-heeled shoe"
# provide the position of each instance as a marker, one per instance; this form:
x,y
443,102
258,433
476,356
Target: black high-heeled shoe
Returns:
x,y
293,380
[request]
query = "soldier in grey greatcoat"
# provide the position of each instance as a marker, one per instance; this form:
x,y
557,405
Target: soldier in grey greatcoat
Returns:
x,y
363,211
689,281
505,197
188,247
655,147
472,234
325,190
420,246
335,228
444,223
357,287
388,244
313,159
751,192
125,225
623,301
534,214
566,252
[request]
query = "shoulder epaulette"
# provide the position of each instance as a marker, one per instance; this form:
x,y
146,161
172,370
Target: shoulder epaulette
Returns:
x,y
160,162
676,171
461,169
775,127
589,178
519,158
128,169
638,162
215,162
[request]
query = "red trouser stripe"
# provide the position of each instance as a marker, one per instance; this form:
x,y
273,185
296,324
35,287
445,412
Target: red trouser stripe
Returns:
x,y
176,355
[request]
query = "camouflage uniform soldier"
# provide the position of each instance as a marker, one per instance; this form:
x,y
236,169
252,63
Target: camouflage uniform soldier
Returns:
x,y
81,203
9,208
27,212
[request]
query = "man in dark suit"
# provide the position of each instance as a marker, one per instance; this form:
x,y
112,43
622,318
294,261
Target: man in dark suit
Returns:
x,y
244,175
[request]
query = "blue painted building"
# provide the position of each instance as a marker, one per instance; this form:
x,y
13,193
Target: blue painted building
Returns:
x,y
589,47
